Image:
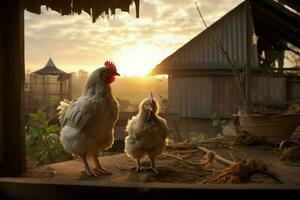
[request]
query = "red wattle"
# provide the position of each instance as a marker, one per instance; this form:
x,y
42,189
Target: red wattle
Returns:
x,y
110,79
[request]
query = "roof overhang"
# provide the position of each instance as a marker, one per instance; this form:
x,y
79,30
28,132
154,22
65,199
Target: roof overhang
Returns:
x,y
269,16
94,8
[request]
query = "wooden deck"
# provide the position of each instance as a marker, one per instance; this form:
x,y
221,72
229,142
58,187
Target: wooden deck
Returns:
x,y
176,179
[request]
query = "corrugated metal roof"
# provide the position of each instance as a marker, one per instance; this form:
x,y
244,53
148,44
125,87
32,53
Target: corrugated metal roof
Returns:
x,y
202,53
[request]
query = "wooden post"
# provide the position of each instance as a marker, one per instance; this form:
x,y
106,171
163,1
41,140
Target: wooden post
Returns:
x,y
44,104
1,90
248,57
70,87
12,88
61,88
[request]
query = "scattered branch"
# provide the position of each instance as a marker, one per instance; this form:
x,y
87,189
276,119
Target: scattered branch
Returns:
x,y
236,172
233,159
217,157
210,159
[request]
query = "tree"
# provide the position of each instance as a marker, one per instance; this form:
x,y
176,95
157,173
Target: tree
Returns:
x,y
82,74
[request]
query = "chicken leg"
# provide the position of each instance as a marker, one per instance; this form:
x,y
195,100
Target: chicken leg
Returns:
x,y
152,167
87,169
138,165
98,168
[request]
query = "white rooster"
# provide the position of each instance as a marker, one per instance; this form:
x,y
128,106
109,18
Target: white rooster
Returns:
x,y
88,121
147,133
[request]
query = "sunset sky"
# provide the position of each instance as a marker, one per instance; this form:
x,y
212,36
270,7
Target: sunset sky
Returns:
x,y
134,44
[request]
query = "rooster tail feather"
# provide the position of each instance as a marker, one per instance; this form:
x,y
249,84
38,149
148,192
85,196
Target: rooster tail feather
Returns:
x,y
62,108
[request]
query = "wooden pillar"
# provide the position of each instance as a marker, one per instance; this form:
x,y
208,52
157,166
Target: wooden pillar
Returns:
x,y
248,57
12,135
70,87
1,88
61,88
44,103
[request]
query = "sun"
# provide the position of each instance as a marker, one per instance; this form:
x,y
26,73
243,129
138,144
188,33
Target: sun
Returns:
x,y
138,60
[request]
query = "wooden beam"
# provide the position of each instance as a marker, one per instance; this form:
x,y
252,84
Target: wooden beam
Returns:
x,y
248,57
12,83
291,3
281,22
1,87
25,188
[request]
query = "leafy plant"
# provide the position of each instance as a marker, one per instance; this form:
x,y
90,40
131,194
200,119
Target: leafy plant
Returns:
x,y
198,138
42,140
217,123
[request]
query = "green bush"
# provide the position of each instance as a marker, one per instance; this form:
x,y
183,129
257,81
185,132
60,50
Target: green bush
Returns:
x,y
42,141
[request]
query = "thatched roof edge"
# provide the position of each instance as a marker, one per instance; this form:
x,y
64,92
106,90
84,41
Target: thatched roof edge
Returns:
x,y
94,8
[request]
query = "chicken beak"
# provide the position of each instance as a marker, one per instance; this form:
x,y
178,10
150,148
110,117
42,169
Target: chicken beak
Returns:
x,y
117,74
149,117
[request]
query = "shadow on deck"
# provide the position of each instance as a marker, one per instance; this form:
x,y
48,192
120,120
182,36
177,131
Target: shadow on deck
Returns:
x,y
176,179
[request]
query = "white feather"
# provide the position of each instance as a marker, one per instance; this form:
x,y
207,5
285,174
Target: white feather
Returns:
x,y
145,138
88,121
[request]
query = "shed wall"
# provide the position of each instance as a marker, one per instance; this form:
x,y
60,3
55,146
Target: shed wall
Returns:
x,y
293,89
191,97
199,97
225,96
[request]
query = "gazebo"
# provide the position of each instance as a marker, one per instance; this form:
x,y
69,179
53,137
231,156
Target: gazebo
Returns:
x,y
48,86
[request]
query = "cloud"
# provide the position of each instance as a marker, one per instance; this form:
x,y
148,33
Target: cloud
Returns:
x,y
76,43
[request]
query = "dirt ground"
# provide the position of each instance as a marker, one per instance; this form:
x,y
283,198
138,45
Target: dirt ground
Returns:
x,y
171,170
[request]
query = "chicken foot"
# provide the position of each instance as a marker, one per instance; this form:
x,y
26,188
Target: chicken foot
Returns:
x,y
87,169
138,165
98,168
140,168
152,167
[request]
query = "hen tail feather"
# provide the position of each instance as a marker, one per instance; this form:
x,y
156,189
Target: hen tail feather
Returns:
x,y
62,108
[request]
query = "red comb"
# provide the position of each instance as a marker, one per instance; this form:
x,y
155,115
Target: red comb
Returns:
x,y
110,64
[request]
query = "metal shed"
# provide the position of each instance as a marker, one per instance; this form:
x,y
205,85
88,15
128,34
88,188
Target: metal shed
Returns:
x,y
200,78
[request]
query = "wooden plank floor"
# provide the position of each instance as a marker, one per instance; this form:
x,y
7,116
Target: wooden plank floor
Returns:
x,y
174,178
